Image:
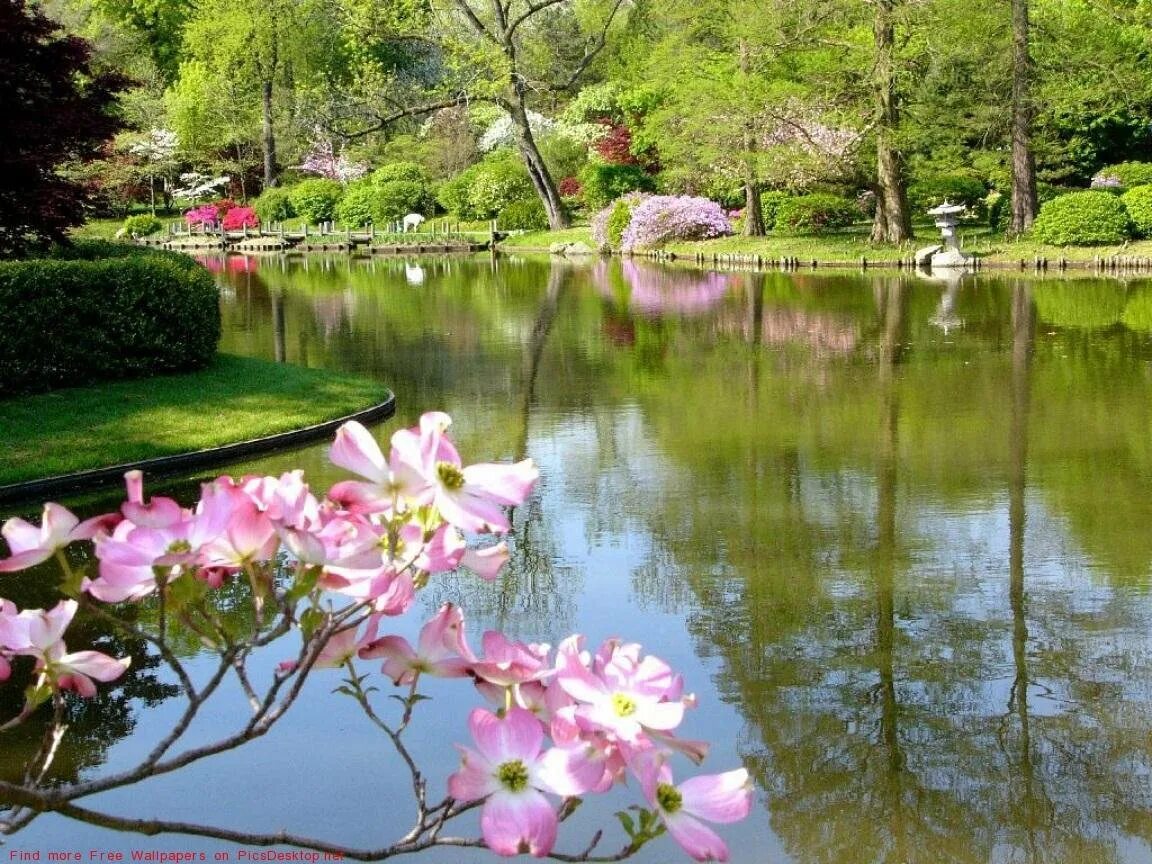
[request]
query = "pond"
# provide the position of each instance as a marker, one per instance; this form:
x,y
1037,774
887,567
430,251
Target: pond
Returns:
x,y
894,531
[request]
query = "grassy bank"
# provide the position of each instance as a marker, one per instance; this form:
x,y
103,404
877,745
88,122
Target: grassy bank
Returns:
x,y
852,244
235,399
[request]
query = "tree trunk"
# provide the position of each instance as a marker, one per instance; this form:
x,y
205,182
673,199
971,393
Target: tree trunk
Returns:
x,y
753,212
268,137
892,223
538,172
1023,163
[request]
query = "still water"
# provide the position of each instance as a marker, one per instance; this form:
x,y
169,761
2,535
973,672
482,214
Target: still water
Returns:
x,y
896,533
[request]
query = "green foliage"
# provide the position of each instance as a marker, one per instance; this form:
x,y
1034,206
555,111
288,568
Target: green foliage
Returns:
x,y
814,213
485,189
356,207
604,183
1130,174
274,205
770,206
1082,219
955,188
526,215
315,199
68,323
398,171
397,198
142,225
618,221
1138,203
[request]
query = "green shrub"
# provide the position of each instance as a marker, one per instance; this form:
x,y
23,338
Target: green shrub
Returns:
x,y
605,183
356,206
274,205
69,323
770,205
618,221
955,188
402,188
142,225
453,194
1129,174
497,183
408,172
315,199
1082,219
527,215
1138,203
814,213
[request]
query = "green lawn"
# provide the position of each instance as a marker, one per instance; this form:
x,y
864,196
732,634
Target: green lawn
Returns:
x,y
235,399
851,244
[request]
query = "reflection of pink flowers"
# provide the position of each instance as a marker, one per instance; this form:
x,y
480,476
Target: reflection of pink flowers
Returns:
x,y
657,291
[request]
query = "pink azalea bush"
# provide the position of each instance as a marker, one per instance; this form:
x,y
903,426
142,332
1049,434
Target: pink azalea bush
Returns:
x,y
240,217
561,723
205,216
660,219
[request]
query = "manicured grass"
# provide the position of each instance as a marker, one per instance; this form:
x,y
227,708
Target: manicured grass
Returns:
x,y
235,399
851,244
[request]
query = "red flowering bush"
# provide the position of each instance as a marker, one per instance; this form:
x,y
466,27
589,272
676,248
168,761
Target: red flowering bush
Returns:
x,y
241,217
571,187
615,147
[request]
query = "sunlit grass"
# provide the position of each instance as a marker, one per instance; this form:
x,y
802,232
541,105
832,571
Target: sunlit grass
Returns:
x,y
233,400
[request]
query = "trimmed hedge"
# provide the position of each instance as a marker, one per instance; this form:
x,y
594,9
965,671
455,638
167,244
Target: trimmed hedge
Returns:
x,y
69,323
1138,203
1082,219
527,215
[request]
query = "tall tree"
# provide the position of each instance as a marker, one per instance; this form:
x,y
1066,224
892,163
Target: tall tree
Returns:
x,y
1023,161
891,223
57,109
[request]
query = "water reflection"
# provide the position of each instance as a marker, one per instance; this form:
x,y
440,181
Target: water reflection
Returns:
x,y
913,555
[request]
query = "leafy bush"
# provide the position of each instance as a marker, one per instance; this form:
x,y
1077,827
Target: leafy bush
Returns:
x,y
402,188
1082,219
142,225
604,183
409,172
814,213
1138,203
527,215
205,216
482,191
356,207
68,323
274,205
663,218
315,199
955,188
609,225
770,206
570,187
1125,175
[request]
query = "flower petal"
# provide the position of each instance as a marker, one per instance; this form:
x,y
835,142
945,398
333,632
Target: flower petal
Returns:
x,y
517,736
516,822
696,838
720,798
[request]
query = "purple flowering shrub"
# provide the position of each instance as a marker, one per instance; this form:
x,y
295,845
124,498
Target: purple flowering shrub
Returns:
x,y
609,224
662,218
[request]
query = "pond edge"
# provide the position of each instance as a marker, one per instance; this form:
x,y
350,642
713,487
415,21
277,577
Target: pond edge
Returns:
x,y
163,465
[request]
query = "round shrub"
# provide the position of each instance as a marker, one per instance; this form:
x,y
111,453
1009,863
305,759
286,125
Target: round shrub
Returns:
x,y
409,172
660,219
453,194
402,188
68,323
1082,219
240,217
315,199
496,184
955,188
274,205
814,213
1124,175
609,225
1138,203
770,206
142,225
527,215
604,183
356,207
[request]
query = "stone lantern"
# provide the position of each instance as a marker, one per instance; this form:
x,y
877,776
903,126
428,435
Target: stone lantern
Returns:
x,y
946,217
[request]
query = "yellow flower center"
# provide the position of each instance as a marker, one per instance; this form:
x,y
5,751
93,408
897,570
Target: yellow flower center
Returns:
x,y
623,705
513,776
179,547
450,475
668,797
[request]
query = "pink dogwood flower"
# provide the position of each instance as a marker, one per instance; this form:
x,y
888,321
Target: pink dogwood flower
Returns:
x,y
507,662
30,545
441,650
721,798
508,769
